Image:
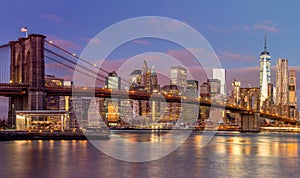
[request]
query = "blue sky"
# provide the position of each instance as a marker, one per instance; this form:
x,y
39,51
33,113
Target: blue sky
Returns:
x,y
234,28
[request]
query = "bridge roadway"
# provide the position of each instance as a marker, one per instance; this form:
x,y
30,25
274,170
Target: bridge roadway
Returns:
x,y
22,89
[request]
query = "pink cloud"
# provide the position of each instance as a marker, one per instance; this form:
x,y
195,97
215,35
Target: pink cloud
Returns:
x,y
95,41
65,44
138,41
230,56
162,27
52,17
264,25
187,59
224,30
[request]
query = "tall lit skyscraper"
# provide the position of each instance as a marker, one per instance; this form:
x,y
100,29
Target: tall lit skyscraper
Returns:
x,y
264,73
178,77
221,75
282,82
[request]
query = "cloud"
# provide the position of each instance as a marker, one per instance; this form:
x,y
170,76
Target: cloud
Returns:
x,y
264,25
94,41
65,44
162,26
224,30
52,17
206,58
236,57
138,41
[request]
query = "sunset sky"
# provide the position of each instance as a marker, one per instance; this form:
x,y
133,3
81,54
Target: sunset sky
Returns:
x,y
235,29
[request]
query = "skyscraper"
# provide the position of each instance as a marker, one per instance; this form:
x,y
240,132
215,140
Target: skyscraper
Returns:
x,y
236,91
154,87
264,73
178,77
112,104
192,86
113,81
135,78
215,86
221,75
293,109
282,82
292,88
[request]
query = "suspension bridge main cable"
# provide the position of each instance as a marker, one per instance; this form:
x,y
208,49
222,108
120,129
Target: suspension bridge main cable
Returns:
x,y
74,63
83,60
73,68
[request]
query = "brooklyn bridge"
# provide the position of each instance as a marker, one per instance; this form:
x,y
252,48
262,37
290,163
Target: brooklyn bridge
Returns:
x,y
33,61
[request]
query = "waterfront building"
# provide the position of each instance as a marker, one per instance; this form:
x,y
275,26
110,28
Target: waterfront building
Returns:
x,y
178,76
221,75
264,73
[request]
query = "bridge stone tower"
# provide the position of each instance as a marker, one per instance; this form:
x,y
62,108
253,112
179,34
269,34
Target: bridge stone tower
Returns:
x,y
250,99
27,67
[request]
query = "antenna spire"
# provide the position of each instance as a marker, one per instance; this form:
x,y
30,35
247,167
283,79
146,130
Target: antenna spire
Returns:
x,y
265,43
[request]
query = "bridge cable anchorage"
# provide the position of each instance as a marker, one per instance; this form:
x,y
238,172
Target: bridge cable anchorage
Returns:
x,y
83,60
73,68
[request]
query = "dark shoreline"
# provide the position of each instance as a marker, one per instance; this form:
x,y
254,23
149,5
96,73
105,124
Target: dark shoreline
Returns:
x,y
67,135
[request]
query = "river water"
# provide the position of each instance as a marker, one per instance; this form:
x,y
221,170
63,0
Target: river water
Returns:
x,y
228,154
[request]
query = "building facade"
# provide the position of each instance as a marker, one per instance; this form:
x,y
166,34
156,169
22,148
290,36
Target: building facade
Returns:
x,y
282,82
215,87
113,81
135,78
221,75
178,76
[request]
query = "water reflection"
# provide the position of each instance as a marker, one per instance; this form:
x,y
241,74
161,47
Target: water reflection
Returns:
x,y
227,155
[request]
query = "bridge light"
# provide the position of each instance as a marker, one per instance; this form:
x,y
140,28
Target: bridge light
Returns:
x,y
51,42
74,54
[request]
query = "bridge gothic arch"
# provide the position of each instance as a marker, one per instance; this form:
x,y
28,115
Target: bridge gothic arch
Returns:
x,y
250,98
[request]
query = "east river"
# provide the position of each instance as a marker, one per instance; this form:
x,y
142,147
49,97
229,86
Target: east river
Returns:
x,y
228,154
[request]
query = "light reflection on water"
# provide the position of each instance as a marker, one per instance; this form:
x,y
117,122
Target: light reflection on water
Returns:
x,y
227,155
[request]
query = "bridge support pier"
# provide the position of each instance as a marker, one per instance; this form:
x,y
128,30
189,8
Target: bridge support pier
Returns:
x,y
27,66
250,122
